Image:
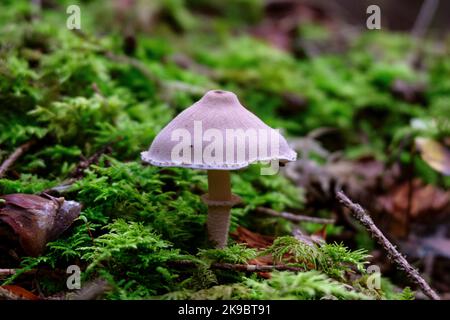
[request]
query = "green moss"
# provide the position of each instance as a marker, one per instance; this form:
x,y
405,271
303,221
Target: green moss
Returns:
x,y
302,286
63,89
332,259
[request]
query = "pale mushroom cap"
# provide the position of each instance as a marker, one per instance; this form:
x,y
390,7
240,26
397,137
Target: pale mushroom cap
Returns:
x,y
221,135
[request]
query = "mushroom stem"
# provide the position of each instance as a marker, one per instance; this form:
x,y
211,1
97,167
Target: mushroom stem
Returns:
x,y
220,201
219,185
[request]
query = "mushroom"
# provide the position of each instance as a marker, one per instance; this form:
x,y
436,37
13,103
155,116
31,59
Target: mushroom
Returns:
x,y
217,134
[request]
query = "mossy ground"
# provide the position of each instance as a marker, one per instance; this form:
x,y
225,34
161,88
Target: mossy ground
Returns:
x,y
74,94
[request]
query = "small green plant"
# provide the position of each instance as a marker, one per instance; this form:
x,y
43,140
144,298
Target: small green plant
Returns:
x,y
75,94
332,259
236,253
302,286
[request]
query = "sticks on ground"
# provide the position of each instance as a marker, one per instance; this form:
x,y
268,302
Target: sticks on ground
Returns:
x,y
4,273
84,164
7,272
361,215
240,267
8,295
4,167
92,290
425,17
80,169
293,217
254,267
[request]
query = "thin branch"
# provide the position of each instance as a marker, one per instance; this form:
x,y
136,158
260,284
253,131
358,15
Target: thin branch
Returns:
x,y
8,295
79,171
293,217
425,17
4,273
7,272
254,267
420,28
14,156
36,6
84,164
239,267
361,215
309,240
92,290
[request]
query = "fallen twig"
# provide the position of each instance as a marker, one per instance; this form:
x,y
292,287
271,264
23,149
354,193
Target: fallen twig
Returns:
x,y
254,267
4,167
309,240
90,291
421,25
4,273
293,217
80,169
239,267
7,272
8,295
425,17
361,215
84,164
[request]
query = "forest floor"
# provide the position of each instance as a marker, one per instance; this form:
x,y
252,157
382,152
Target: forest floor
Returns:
x,y
366,111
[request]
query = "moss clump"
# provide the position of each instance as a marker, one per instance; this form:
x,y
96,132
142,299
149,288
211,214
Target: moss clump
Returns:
x,y
72,93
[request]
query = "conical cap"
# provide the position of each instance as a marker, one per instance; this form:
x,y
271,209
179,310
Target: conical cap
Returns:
x,y
217,132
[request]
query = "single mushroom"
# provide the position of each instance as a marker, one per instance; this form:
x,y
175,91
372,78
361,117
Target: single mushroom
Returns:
x,y
217,134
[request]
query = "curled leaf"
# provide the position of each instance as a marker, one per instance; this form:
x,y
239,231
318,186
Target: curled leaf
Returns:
x,y
34,220
434,154
20,292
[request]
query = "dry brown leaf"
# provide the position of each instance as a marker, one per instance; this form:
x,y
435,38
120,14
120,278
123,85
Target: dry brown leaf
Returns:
x,y
35,220
257,241
20,292
425,200
408,202
434,154
251,239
